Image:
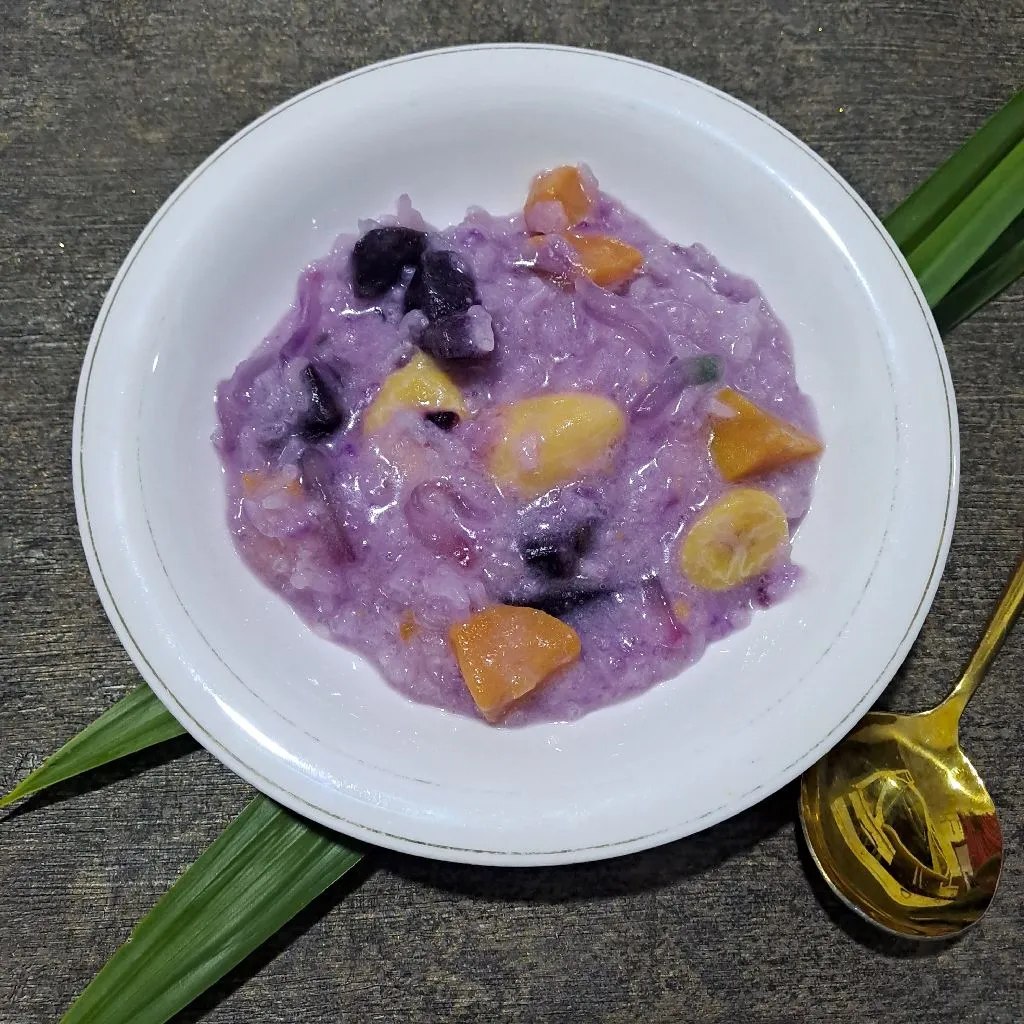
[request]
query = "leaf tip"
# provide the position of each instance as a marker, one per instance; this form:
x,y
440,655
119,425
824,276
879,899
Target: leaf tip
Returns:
x,y
10,798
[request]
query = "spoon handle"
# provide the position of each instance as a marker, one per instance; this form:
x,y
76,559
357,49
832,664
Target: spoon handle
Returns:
x,y
992,639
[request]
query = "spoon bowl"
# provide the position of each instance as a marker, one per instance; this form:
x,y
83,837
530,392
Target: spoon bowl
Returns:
x,y
900,824
898,820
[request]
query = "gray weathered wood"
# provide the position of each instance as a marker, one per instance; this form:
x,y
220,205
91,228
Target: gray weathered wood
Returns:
x,y
104,106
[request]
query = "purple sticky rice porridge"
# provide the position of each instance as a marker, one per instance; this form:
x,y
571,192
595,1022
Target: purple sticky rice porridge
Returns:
x,y
383,540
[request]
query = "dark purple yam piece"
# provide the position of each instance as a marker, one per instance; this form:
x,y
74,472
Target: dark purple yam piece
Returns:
x,y
468,335
324,415
557,554
380,256
441,286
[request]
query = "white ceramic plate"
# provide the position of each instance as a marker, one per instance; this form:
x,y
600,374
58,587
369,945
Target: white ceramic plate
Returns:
x,y
315,727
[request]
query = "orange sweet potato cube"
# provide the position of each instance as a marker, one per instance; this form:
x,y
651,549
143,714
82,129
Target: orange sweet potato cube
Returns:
x,y
564,186
607,261
504,652
752,441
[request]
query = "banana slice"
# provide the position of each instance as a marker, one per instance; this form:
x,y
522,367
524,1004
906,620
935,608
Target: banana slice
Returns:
x,y
420,384
737,538
551,439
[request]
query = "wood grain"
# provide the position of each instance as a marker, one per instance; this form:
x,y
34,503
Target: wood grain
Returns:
x,y
105,105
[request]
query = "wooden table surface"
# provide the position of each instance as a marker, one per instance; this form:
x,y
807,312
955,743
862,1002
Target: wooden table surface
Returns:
x,y
105,105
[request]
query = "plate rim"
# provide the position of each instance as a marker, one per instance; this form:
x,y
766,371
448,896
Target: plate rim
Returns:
x,y
421,847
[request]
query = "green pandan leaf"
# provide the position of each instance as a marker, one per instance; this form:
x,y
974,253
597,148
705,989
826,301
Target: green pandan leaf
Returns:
x,y
961,240
265,867
135,722
993,273
936,198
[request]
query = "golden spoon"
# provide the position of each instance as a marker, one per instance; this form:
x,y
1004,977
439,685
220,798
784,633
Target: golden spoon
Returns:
x,y
898,820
